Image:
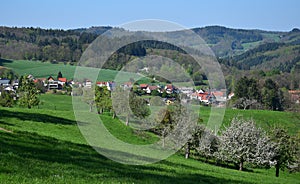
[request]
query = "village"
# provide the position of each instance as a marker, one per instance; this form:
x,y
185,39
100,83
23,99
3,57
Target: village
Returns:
x,y
167,91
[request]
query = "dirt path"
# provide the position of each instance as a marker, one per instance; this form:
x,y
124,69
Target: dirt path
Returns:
x,y
5,130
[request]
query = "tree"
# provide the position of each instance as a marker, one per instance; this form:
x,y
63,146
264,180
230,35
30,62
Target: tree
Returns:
x,y
120,103
88,97
175,124
28,93
197,78
208,144
40,86
102,99
287,148
194,141
155,93
59,75
128,103
6,73
164,125
242,142
247,92
138,106
272,96
6,98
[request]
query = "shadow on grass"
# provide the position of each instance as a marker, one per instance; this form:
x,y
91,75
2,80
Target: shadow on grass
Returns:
x,y
2,61
218,164
34,156
5,123
28,116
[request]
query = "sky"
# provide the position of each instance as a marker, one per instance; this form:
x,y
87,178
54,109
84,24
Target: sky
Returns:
x,y
272,15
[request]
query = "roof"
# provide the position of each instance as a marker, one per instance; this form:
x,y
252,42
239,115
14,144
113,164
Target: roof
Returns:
x,y
218,93
152,87
143,85
62,79
50,77
4,81
169,86
294,91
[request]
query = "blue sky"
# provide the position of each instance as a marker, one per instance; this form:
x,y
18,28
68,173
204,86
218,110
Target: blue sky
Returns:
x,y
279,15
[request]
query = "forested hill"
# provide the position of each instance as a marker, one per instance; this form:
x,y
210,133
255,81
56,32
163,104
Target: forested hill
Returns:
x,y
245,49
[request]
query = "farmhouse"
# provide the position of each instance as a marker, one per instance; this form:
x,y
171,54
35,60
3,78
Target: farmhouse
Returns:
x,y
4,82
295,96
52,84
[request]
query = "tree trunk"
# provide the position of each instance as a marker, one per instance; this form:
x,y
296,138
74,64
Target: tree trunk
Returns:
x,y
127,120
277,169
114,115
187,151
163,138
241,166
91,108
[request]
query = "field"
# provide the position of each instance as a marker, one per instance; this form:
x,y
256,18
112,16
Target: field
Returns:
x,y
264,119
46,69
46,146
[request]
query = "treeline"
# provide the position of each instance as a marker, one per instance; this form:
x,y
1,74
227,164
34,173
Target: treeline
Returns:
x,y
43,44
215,34
281,56
250,93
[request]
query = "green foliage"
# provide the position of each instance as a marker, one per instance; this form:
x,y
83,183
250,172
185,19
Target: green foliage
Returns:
x,y
6,98
272,96
59,75
88,97
287,149
138,106
28,93
103,99
44,44
247,92
6,73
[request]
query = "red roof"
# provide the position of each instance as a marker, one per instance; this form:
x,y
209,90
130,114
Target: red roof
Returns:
x,y
143,85
101,83
153,87
218,93
62,79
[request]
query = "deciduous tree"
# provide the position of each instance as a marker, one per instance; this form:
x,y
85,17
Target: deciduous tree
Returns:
x,y
287,149
28,93
242,142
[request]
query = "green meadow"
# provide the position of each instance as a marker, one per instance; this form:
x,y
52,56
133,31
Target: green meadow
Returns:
x,y
44,145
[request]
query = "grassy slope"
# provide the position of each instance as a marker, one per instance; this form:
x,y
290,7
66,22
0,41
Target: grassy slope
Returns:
x,y
46,147
263,118
46,69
